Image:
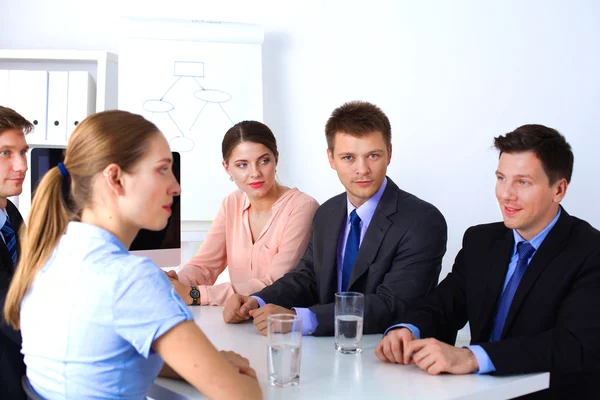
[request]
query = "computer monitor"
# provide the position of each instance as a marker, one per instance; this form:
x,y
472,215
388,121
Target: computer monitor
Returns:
x,y
163,247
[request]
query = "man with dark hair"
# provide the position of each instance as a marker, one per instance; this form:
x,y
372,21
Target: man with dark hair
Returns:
x,y
529,287
13,166
374,238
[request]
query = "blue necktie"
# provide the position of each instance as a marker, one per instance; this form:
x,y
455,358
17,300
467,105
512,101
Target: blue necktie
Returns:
x,y
10,239
524,250
352,245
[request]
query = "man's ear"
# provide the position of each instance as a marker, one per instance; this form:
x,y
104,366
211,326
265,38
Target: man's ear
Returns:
x,y
560,190
113,177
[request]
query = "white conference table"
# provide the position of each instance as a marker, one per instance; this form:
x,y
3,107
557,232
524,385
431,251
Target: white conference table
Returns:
x,y
327,374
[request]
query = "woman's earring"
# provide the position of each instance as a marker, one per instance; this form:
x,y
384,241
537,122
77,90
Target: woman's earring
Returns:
x,y
231,178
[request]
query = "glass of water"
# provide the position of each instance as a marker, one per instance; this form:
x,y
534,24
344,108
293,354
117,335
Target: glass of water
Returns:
x,y
349,310
284,335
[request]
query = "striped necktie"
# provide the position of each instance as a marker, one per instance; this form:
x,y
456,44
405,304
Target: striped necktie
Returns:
x,y
10,239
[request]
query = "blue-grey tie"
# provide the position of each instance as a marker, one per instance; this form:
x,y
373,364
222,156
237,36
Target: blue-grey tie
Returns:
x,y
10,239
524,250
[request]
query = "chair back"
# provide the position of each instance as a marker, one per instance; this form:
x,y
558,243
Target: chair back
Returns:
x,y
29,390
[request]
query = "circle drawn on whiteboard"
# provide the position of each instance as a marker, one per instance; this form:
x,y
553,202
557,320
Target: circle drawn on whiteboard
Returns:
x,y
182,144
212,96
158,106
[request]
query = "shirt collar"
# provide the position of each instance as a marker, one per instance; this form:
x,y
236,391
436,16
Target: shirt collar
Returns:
x,y
3,217
84,231
275,205
536,242
367,210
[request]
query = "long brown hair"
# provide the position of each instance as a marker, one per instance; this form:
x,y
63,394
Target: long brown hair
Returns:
x,y
99,140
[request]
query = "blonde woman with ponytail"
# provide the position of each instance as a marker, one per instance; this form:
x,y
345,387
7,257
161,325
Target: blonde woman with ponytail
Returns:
x,y
96,321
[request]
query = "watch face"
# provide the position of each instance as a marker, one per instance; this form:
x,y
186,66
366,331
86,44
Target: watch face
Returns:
x,y
195,293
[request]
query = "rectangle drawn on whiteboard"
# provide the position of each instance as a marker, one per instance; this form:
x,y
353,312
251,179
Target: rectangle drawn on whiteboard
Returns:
x,y
193,69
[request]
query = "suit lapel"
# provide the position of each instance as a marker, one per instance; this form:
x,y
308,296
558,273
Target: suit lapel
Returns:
x,y
380,223
17,222
550,247
5,260
493,282
332,230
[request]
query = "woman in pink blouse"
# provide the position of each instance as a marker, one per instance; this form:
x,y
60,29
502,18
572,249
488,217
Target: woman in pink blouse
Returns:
x,y
261,230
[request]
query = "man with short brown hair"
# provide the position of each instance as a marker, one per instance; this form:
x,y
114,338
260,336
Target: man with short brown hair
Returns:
x,y
13,167
374,238
528,286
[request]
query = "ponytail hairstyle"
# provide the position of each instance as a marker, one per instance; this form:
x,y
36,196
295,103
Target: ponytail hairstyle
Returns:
x,y
99,140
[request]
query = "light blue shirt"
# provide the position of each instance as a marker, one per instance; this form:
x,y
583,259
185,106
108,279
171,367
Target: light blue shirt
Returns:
x,y
365,213
3,218
485,363
91,316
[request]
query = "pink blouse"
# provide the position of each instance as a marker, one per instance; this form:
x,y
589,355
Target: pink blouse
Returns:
x,y
252,267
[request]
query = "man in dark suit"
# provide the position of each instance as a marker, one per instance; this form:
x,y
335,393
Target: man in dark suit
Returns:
x,y
13,166
529,287
374,238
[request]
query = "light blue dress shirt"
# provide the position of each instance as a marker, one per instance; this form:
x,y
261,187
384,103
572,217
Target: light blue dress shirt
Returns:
x,y
3,218
365,212
485,363
91,316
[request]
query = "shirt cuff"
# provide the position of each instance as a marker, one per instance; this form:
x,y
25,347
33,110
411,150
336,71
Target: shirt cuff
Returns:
x,y
309,320
415,331
485,363
203,295
261,302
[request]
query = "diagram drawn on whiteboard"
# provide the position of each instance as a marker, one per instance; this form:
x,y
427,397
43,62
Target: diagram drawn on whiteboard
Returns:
x,y
187,72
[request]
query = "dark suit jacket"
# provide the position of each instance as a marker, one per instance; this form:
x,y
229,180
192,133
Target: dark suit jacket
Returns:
x,y
554,320
399,260
11,359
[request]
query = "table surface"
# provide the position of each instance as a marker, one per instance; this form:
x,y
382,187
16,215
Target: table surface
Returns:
x,y
327,374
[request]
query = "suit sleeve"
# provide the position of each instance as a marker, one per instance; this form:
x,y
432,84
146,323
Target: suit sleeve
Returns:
x,y
571,344
6,275
5,329
297,288
414,272
444,311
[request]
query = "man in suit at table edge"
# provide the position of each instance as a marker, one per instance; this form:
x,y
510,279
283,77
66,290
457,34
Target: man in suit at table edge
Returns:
x,y
529,287
375,238
13,167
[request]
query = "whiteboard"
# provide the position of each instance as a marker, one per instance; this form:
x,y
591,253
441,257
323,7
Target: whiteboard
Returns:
x,y
194,84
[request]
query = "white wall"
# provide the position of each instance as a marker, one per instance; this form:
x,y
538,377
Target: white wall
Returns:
x,y
450,76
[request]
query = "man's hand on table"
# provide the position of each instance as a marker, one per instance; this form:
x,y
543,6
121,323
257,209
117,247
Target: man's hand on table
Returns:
x,y
261,314
400,346
237,308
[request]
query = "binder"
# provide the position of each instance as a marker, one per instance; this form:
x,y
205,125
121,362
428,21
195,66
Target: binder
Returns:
x,y
81,100
58,86
28,94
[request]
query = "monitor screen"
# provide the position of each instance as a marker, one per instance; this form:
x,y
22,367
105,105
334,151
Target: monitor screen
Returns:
x,y
163,247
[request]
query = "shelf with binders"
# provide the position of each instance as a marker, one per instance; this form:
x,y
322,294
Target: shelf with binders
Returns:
x,y
55,90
